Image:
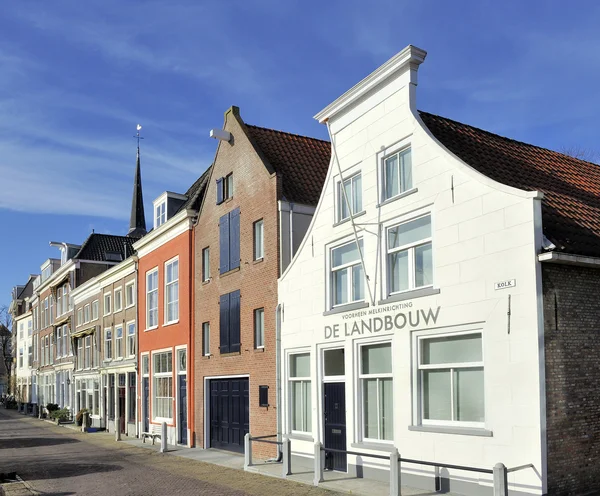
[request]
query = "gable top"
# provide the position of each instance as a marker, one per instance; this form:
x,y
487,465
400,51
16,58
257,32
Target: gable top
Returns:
x,y
302,162
105,247
195,192
571,187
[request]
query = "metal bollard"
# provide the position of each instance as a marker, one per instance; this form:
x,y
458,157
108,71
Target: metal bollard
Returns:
x,y
500,480
163,437
319,464
247,451
84,421
394,473
117,428
286,449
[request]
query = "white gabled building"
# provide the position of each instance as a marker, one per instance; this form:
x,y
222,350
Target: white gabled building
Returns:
x,y
411,317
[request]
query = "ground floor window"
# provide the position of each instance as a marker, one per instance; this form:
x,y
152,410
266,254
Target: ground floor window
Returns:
x,y
110,401
300,393
376,385
450,372
162,387
96,409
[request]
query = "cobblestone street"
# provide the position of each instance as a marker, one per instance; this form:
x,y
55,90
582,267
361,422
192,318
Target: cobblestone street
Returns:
x,y
57,461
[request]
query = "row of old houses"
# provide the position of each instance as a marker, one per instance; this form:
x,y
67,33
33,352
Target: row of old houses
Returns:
x,y
417,285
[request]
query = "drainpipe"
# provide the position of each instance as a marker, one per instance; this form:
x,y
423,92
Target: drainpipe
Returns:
x,y
278,378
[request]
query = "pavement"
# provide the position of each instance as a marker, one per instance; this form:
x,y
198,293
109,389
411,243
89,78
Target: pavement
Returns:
x,y
56,460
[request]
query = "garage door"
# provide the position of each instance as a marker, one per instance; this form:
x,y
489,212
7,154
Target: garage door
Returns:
x,y
229,413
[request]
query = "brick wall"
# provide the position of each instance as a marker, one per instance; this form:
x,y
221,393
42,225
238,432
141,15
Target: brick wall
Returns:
x,y
255,192
572,346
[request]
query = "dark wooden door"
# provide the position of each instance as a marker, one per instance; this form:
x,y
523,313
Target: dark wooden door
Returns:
x,y
145,403
122,418
183,424
229,413
334,421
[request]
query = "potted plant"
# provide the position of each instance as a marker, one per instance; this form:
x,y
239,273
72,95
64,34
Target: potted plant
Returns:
x,y
60,415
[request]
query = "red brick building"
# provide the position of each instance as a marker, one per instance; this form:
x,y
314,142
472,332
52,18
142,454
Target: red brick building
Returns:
x,y
259,201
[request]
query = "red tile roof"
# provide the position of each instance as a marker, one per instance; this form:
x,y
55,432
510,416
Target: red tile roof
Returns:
x,y
301,162
571,187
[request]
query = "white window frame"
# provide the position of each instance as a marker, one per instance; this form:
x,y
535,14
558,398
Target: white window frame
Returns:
x,y
348,267
108,344
258,230
158,375
128,286
206,264
397,149
259,328
59,352
418,399
160,213
79,316
206,338
228,186
107,307
303,380
118,291
174,282
130,348
95,307
410,247
341,200
361,400
153,309
118,348
86,313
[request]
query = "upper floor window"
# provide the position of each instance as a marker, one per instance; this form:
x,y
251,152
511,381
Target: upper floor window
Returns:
x,y
131,339
130,294
95,310
397,174
229,241
259,241
205,264
107,304
349,197
118,300
160,214
119,341
29,327
224,188
86,313
229,322
172,291
206,338
108,344
259,328
152,298
409,255
347,277
79,316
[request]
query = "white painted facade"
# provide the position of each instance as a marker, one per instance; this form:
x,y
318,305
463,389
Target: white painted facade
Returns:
x,y
482,233
23,356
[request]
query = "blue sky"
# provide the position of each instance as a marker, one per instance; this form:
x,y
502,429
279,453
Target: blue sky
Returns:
x,y
76,77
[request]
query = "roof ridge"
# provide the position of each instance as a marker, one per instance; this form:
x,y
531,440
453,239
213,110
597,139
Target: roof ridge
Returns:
x,y
288,133
507,139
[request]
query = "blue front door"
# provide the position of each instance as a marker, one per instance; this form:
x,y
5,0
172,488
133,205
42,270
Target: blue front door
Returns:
x,y
183,425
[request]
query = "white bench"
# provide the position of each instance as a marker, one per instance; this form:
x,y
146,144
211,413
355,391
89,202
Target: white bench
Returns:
x,y
155,432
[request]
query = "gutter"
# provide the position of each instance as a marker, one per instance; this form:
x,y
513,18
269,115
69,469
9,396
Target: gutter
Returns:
x,y
278,379
569,259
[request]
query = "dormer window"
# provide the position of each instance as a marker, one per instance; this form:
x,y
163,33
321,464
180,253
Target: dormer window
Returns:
x,y
160,214
224,188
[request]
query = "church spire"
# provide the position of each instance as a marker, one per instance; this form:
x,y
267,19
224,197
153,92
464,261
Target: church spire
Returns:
x,y
137,220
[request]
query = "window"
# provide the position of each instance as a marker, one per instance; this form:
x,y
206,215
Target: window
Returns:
x,y
108,344
119,341
205,264
172,291
224,188
51,299
132,398
347,279
259,245
111,396
59,341
130,294
229,241
106,304
349,197
145,365
397,174
300,395
29,327
118,300
131,339
206,338
59,301
152,299
451,379
162,390
80,353
88,352
409,255
259,328
229,322
51,348
95,310
30,355
79,316
376,385
86,314
182,361
66,346
96,410
21,328
20,358
160,214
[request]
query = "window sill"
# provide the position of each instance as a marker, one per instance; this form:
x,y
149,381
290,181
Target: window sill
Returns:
x,y
120,359
151,328
129,306
223,274
443,429
347,308
116,310
388,448
231,354
258,260
340,222
397,197
259,349
204,283
409,295
171,323
301,437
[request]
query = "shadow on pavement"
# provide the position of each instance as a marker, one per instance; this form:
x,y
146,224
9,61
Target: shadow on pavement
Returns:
x,y
56,469
32,442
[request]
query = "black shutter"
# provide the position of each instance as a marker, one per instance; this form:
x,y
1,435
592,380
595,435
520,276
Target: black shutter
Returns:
x,y
224,244
234,239
234,321
224,323
219,191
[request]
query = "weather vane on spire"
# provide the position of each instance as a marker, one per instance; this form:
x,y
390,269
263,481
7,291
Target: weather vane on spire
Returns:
x,y
138,137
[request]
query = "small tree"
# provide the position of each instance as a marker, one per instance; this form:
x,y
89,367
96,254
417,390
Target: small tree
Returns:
x,y
6,357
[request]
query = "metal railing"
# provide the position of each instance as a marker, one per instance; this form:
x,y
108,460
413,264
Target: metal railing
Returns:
x,y
286,449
